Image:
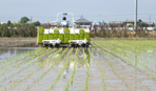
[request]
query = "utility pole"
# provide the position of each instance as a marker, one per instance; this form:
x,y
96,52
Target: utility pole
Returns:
x,y
31,19
150,18
136,7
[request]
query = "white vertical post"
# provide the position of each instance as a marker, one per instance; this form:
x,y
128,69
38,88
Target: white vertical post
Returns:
x,y
136,6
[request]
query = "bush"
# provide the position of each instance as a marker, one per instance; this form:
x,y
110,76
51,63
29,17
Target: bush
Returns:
x,y
18,30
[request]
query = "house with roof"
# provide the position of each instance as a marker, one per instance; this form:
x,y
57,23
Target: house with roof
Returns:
x,y
29,22
129,22
117,23
151,24
83,23
3,23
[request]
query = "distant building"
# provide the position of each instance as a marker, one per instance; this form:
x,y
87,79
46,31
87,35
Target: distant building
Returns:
x,y
129,22
83,23
29,22
3,23
117,23
151,24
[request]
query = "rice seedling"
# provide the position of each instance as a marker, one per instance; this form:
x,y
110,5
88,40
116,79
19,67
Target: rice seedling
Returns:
x,y
26,67
60,73
21,64
44,73
137,50
139,55
101,52
73,73
87,65
115,72
104,86
18,58
38,68
121,56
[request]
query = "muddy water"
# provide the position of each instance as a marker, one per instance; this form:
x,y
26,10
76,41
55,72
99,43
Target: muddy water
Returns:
x,y
116,77
7,52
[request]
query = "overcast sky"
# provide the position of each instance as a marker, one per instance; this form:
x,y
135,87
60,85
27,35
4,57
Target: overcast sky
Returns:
x,y
93,10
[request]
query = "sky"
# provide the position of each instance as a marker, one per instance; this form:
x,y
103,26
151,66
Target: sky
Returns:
x,y
93,10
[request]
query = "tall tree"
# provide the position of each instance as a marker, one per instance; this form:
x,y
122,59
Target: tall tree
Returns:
x,y
37,23
24,20
9,23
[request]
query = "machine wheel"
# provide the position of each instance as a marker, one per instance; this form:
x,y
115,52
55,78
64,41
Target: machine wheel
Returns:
x,y
57,45
75,45
83,45
87,45
72,45
46,46
51,46
78,46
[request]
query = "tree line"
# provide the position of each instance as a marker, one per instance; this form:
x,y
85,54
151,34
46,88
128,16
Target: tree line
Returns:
x,y
20,29
102,30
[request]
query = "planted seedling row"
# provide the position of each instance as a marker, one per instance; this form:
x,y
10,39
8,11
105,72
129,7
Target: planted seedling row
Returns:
x,y
133,64
73,73
44,73
128,60
32,72
60,73
16,58
103,80
102,52
20,58
24,68
138,62
19,65
87,65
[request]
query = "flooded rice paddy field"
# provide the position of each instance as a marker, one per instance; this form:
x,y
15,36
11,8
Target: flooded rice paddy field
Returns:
x,y
107,65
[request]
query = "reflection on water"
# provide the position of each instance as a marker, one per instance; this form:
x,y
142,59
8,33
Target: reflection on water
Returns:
x,y
7,52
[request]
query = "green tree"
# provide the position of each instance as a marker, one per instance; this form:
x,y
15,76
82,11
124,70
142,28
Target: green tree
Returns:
x,y
142,24
37,23
24,20
9,23
131,26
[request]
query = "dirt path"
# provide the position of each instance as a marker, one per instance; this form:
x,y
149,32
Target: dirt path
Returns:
x,y
15,42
